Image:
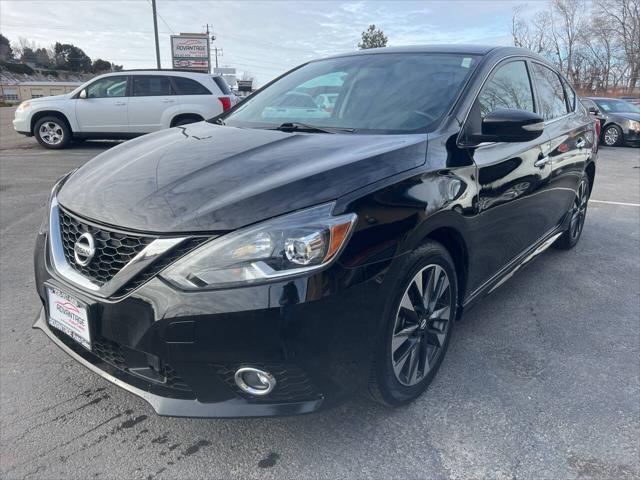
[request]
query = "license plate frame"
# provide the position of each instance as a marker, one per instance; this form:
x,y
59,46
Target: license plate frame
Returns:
x,y
69,315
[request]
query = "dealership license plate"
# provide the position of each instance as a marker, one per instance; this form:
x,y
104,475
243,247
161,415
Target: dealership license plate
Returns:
x,y
69,316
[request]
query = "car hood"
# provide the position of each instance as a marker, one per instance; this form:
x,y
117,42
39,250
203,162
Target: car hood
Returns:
x,y
630,116
51,98
205,177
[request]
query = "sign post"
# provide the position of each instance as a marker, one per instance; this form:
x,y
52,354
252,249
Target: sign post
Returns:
x,y
190,51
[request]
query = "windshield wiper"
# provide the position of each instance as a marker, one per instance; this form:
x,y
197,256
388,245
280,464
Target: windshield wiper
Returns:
x,y
304,127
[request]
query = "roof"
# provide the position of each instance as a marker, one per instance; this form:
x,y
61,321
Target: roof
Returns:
x,y
444,48
50,83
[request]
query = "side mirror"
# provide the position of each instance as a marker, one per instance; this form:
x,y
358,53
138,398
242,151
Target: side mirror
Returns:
x,y
594,111
509,125
83,94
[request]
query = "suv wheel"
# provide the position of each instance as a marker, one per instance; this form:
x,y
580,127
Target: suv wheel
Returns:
x,y
420,320
612,136
571,236
52,132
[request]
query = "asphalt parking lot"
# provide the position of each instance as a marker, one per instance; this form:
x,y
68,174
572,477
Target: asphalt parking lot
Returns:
x,y
542,379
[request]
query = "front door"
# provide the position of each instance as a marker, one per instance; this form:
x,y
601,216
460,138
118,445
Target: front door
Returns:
x,y
512,210
104,110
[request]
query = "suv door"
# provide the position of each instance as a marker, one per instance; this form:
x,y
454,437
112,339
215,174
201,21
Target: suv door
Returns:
x,y
104,110
152,97
569,138
512,208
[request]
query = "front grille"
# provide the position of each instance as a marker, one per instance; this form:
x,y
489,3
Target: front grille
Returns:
x,y
113,249
292,383
167,259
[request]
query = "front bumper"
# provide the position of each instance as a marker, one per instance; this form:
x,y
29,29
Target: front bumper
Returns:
x,y
179,350
163,405
21,124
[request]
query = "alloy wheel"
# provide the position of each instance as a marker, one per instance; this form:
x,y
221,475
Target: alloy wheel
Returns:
x,y
51,133
579,210
611,136
422,325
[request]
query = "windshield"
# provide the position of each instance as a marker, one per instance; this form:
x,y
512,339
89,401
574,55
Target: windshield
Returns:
x,y
617,106
378,93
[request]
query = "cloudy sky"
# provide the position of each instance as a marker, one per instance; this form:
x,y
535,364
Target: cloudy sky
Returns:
x,y
264,38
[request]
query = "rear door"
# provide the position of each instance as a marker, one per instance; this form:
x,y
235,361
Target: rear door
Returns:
x,y
151,97
513,178
105,108
569,138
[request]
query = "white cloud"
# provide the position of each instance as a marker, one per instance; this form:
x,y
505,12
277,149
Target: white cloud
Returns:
x,y
264,38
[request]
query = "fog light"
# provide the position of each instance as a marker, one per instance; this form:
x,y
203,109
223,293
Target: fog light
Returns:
x,y
254,381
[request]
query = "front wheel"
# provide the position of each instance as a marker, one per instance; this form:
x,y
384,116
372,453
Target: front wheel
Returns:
x,y
571,235
612,136
52,132
420,317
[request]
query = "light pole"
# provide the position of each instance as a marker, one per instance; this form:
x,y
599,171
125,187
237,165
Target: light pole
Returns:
x,y
155,31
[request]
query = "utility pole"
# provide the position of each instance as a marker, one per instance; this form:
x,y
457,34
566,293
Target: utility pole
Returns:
x,y
218,51
155,31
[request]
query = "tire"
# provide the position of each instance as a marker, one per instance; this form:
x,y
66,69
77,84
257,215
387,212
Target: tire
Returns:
x,y
52,132
399,372
572,234
186,121
612,136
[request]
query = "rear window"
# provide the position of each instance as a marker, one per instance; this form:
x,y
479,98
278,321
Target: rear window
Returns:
x,y
187,86
222,85
388,93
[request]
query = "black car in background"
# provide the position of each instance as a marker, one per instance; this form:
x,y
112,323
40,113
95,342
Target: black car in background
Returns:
x,y
619,120
249,266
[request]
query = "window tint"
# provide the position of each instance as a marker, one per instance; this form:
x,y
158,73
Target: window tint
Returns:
x,y
108,87
394,93
222,85
148,86
551,101
186,86
509,87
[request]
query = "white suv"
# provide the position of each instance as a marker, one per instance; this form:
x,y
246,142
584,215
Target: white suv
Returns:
x,y
123,105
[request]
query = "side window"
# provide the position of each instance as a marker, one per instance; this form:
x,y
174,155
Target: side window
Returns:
x,y
186,86
149,86
552,103
571,96
108,87
508,87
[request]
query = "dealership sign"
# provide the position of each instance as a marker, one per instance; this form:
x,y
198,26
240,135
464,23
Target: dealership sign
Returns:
x,y
190,51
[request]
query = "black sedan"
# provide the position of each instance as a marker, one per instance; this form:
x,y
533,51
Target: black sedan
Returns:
x,y
248,266
619,120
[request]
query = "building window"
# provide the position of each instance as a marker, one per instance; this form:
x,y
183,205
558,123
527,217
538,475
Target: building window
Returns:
x,y
37,95
10,97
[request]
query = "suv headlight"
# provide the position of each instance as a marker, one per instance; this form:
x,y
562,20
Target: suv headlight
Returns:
x,y
634,125
282,247
23,106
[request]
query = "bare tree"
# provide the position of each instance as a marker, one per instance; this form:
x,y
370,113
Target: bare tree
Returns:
x,y
625,16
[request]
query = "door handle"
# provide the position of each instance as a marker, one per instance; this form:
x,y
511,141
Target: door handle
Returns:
x,y
119,103
168,100
542,161
581,142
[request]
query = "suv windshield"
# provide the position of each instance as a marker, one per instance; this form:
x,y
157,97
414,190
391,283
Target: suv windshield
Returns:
x,y
617,106
374,93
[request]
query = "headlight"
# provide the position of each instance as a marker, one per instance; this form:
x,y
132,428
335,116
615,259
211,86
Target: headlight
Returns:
x,y
633,125
286,246
44,226
23,106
